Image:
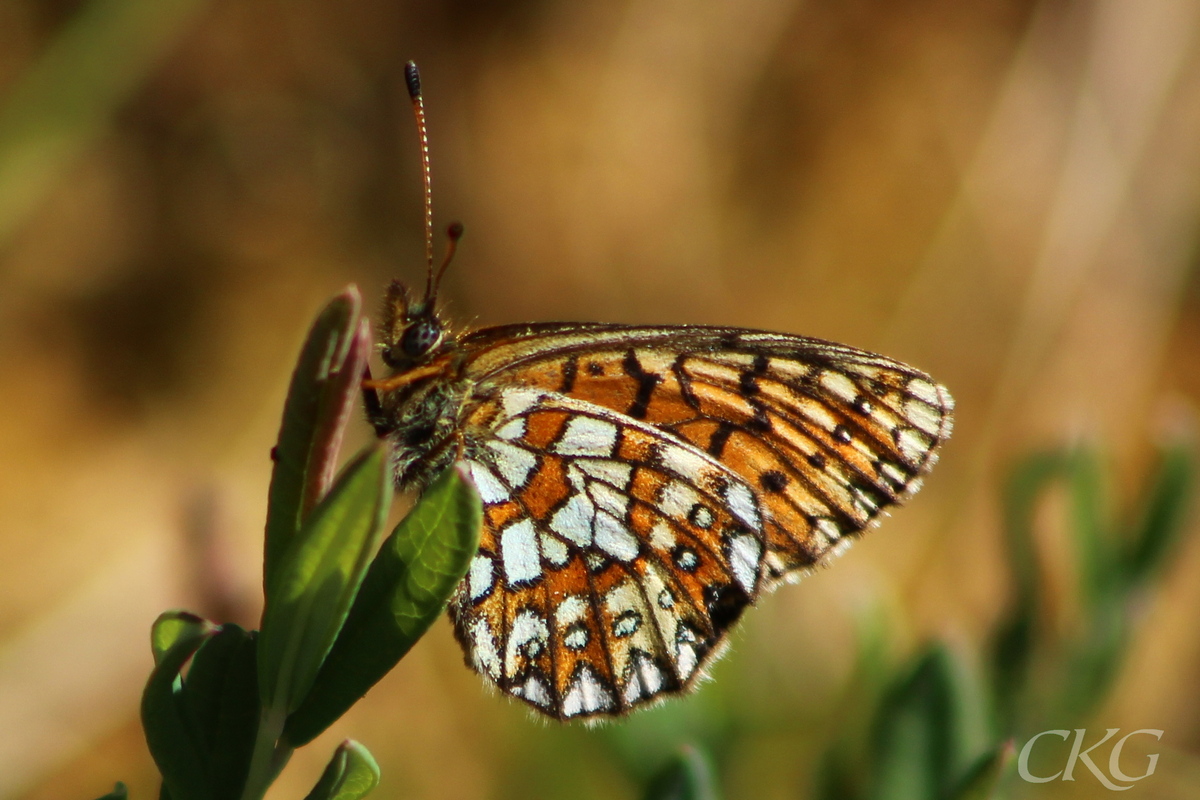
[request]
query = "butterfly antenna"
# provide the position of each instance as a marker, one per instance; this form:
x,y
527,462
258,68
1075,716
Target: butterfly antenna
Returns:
x,y
412,77
453,233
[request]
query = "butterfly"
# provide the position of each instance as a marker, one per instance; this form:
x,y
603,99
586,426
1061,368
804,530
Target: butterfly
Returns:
x,y
641,485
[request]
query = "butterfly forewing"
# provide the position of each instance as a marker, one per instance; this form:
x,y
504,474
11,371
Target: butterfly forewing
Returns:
x,y
828,436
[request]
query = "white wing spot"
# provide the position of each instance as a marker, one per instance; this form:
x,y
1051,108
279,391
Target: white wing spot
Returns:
x,y
609,499
686,659
586,695
576,636
513,429
535,691
481,577
701,516
686,559
484,654
864,503
689,464
923,416
587,436
744,554
574,520
626,624
573,608
894,473
612,472
829,529
677,499
614,538
912,444
517,401
491,490
528,638
924,390
818,414
661,536
645,679
554,549
742,503
839,386
515,463
518,545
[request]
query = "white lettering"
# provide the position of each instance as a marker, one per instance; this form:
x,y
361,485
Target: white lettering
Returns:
x,y
1082,755
1114,760
1078,753
1023,758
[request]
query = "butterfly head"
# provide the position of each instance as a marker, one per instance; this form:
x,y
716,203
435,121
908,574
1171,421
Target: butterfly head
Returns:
x,y
412,331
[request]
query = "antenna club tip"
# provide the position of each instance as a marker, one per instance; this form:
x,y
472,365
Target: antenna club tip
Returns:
x,y
455,230
412,77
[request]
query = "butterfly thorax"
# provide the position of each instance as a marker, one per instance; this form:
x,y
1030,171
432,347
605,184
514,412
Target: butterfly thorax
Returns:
x,y
421,402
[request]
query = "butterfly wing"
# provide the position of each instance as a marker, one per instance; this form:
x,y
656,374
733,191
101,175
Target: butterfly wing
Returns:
x,y
642,486
613,560
827,436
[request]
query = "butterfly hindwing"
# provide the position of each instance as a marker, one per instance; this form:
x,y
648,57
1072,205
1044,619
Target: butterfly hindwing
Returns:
x,y
614,557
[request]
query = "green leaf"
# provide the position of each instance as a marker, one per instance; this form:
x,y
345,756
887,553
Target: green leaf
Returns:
x,y
352,773
928,728
406,588
1015,640
1094,550
172,627
119,792
982,780
221,697
1091,663
318,577
688,776
322,392
1164,511
173,738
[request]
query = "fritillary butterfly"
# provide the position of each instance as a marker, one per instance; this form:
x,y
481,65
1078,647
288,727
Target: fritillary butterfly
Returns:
x,y
641,485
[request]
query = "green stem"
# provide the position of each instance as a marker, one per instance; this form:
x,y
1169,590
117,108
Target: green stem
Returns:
x,y
269,756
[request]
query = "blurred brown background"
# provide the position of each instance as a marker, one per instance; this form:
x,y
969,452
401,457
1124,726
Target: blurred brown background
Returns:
x,y
1003,193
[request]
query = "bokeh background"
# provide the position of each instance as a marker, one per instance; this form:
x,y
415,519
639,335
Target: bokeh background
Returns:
x,y
1004,193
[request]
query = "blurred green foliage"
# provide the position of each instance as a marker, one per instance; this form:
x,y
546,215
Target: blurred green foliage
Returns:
x,y
68,98
687,776
944,725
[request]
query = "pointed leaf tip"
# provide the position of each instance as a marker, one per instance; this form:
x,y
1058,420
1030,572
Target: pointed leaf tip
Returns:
x,y
314,415
173,627
352,773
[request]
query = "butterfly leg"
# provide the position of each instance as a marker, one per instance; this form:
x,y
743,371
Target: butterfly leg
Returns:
x,y
374,409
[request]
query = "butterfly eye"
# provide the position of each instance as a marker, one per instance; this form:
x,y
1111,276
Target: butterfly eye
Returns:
x,y
421,337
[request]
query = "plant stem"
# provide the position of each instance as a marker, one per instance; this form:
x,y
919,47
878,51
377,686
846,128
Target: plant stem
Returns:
x,y
269,756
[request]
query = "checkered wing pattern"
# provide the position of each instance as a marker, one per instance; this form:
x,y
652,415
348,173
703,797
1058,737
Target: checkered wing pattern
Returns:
x,y
642,486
